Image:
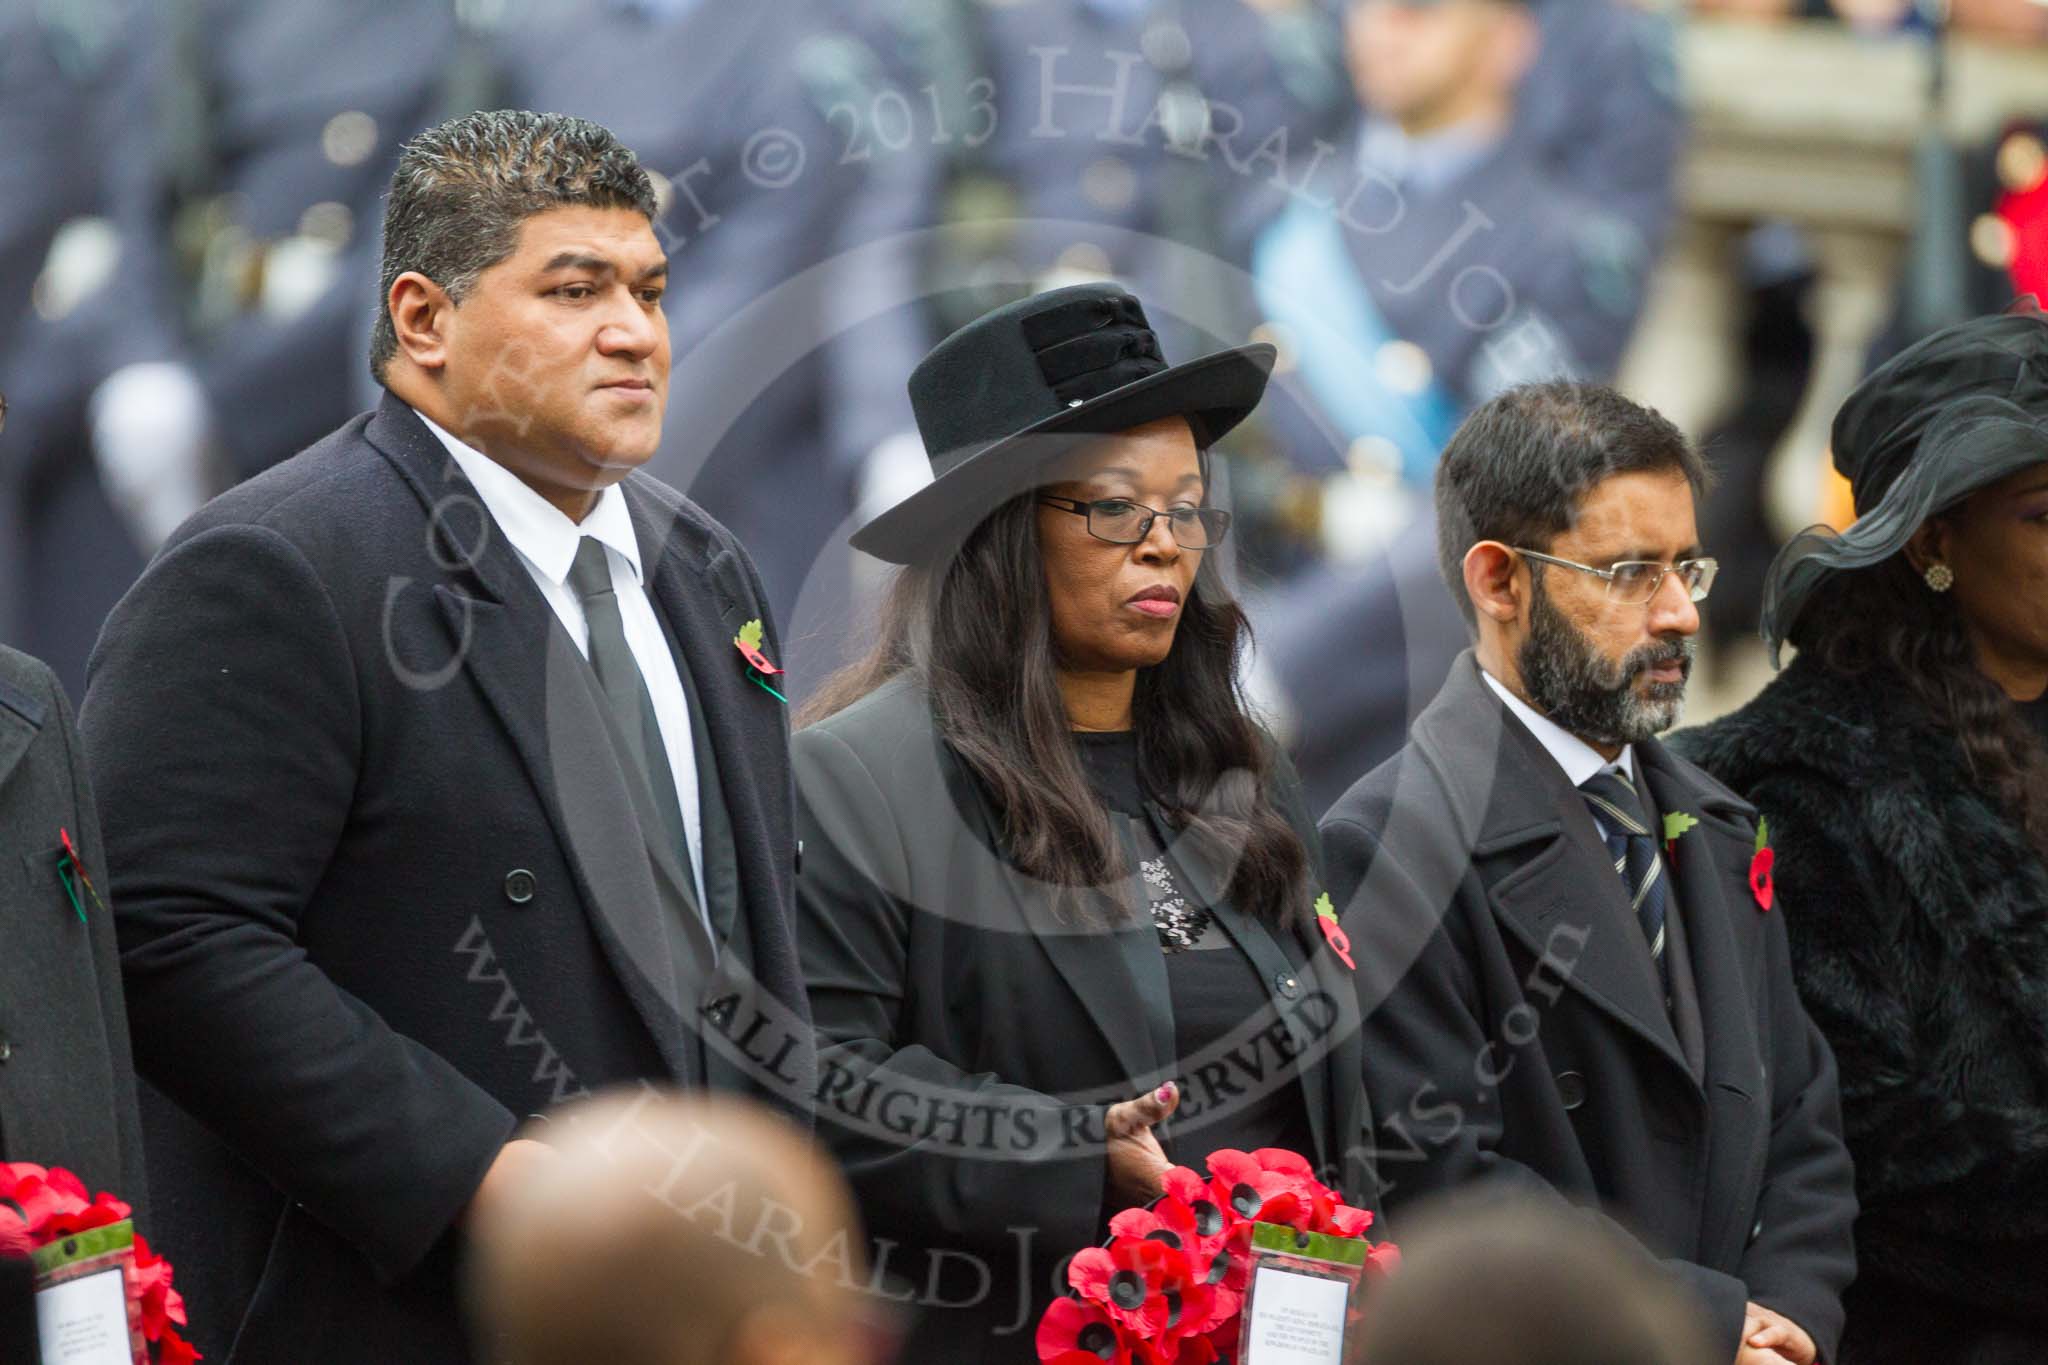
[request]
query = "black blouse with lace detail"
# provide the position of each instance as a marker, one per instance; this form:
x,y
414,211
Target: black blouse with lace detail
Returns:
x,y
1214,986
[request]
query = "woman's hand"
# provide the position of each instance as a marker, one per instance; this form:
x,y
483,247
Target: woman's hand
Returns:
x,y
1137,1163
1769,1336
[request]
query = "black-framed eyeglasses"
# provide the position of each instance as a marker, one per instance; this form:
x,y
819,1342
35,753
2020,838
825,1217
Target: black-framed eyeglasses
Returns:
x,y
1633,582
1123,522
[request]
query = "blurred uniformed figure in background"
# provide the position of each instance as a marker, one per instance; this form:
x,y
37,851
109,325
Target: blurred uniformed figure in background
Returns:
x,y
795,166
1490,217
223,321
1122,141
63,554
1448,248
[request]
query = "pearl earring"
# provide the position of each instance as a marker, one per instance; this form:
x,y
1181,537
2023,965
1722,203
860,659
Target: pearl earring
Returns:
x,y
1940,577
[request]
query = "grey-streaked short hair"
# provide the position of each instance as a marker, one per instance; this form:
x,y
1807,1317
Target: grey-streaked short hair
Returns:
x,y
462,190
1521,465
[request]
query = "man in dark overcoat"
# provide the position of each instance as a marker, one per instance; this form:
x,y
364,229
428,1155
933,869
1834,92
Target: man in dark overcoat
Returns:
x,y
1575,971
438,784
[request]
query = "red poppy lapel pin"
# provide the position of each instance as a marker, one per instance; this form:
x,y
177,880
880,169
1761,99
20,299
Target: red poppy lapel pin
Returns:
x,y
1761,884
1340,942
759,670
71,871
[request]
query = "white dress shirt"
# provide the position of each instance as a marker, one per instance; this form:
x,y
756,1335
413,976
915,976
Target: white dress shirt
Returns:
x,y
1581,761
545,540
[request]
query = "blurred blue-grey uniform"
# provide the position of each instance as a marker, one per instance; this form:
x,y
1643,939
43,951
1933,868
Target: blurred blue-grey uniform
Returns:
x,y
63,554
1413,278
301,110
1124,138
797,172
1497,260
243,166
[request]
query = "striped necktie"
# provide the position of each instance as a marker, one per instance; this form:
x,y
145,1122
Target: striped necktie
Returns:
x,y
1618,810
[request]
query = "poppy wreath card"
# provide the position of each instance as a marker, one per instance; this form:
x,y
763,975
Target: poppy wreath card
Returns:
x,y
71,1238
1170,1284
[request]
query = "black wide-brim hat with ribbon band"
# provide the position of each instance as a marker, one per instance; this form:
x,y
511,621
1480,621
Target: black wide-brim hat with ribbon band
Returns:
x,y
1020,386
1949,415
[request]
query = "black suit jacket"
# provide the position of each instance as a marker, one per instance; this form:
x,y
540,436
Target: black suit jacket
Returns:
x,y
1515,1029
67,1088
382,888
969,1040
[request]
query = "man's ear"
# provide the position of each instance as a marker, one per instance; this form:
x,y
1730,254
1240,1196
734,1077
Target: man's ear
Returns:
x,y
1492,581
421,312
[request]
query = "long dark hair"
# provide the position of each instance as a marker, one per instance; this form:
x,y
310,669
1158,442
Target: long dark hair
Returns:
x,y
977,633
1886,617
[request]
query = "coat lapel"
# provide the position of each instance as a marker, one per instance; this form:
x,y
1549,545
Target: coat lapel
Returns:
x,y
1710,878
1119,974
703,593
513,648
1114,967
21,720
1546,866
1274,964
703,611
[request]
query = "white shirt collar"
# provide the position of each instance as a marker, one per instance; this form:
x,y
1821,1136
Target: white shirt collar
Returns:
x,y
540,531
1581,761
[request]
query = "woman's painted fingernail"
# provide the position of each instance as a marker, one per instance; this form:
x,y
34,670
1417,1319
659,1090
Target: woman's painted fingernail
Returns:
x,y
1165,1093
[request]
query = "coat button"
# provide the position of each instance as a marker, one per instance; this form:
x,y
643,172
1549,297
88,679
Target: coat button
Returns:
x,y
6,1050
1571,1089
519,886
1287,985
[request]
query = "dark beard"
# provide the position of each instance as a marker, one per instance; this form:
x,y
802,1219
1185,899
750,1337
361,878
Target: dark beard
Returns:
x,y
1567,679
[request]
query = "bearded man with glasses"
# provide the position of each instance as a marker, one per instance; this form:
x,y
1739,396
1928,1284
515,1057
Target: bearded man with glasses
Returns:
x,y
1573,971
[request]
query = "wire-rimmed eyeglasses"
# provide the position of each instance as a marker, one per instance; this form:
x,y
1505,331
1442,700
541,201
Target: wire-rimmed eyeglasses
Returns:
x,y
1123,522
1633,582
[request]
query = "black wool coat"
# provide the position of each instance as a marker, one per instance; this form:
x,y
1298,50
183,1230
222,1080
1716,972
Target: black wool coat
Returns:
x,y
67,1087
380,885
1515,1030
970,1039
1919,928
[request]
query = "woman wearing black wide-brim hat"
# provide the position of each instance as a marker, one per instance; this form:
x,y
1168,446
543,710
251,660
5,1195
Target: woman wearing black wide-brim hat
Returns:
x,y
1901,762
1057,899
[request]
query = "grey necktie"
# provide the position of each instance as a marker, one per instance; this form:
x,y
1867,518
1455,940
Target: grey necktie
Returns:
x,y
625,691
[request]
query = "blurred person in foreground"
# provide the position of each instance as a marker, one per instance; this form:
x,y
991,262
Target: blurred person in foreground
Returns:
x,y
1572,980
436,787
1508,1282
1902,761
674,1230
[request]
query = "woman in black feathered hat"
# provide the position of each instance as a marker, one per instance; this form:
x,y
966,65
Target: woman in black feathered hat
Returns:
x,y
1901,764
1057,900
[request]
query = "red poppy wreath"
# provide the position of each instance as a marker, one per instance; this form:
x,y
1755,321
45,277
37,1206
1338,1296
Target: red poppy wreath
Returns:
x,y
1168,1288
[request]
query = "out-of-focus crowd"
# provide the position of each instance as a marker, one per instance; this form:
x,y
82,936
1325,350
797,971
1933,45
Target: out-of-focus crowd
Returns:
x,y
1419,203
